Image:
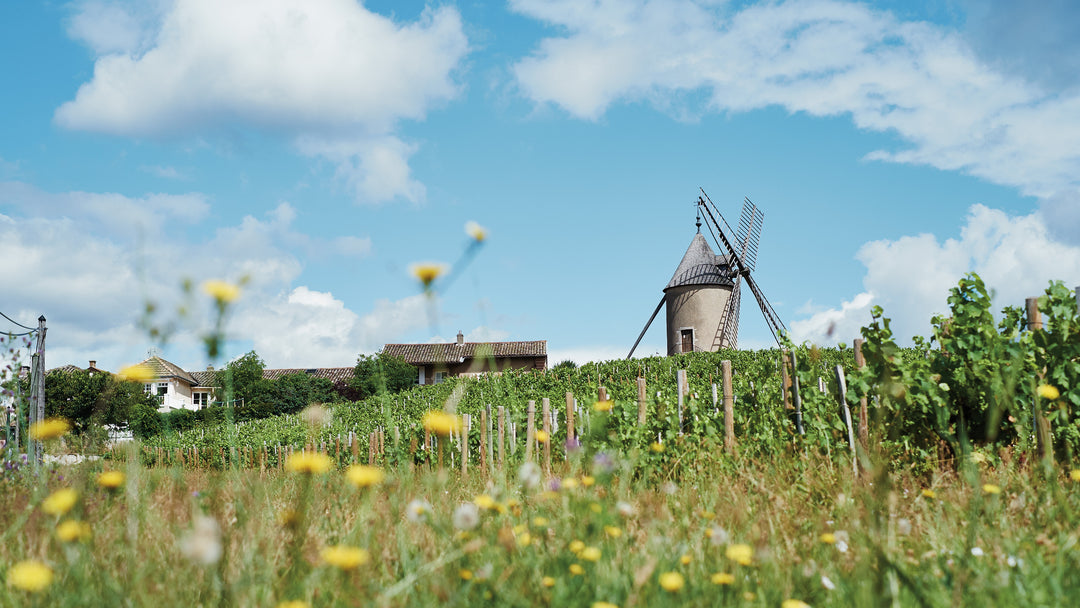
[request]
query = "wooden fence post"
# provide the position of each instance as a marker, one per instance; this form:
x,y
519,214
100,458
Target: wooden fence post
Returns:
x,y
729,407
465,420
483,441
1043,446
530,431
502,436
682,389
545,405
601,394
785,380
795,396
642,401
569,418
864,423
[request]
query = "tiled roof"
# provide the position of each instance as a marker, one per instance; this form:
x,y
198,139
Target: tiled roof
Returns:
x,y
421,354
333,374
700,266
66,369
205,379
165,369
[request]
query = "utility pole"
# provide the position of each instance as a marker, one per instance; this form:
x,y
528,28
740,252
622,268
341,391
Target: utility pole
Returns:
x,y
37,392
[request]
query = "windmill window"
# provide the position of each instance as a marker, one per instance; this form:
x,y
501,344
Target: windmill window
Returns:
x,y
687,336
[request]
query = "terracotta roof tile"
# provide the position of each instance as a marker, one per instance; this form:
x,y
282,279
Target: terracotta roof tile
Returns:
x,y
333,374
422,354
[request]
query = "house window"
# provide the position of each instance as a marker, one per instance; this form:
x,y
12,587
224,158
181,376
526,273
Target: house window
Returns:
x,y
200,400
687,336
148,388
162,389
439,377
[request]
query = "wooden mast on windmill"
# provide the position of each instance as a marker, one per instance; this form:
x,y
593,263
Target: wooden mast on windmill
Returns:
x,y
704,295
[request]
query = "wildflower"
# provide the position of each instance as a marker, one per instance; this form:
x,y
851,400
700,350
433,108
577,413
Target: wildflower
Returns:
x,y
603,463
657,447
718,536
417,510
222,291
841,545
990,488
903,526
624,508
604,406
1074,474
685,559
203,543
465,574
110,479
138,373
364,476
427,272
308,462
603,605
548,581
1048,392
30,576
708,515
928,493
570,483
588,481
485,572
475,231
977,551
441,423
316,415
828,538
466,516
672,582
288,518
50,428
596,508
524,540
827,583
294,604
722,578
529,475
484,501
794,604
344,557
590,554
542,436
60,501
613,531
576,546
576,569
72,530
740,554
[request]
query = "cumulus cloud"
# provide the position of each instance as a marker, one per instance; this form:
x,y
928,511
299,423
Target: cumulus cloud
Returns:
x,y
329,74
910,277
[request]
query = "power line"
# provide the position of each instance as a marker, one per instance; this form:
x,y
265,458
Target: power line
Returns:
x,y
32,329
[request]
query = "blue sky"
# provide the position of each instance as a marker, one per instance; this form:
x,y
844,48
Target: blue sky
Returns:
x,y
320,147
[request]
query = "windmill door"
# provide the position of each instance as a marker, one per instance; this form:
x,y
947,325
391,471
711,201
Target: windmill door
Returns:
x,y
687,340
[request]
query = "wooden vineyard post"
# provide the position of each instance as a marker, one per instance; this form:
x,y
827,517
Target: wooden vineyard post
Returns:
x,y
483,441
841,382
502,436
354,444
642,401
530,431
601,394
1043,447
682,390
465,420
864,423
729,407
545,410
785,381
569,418
796,398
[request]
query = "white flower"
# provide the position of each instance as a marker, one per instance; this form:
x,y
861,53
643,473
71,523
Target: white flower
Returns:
x,y
841,546
669,488
827,583
529,475
624,508
417,510
484,572
718,536
976,551
466,516
903,526
203,543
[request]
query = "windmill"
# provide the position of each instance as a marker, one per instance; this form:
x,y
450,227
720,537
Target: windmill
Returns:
x,y
704,295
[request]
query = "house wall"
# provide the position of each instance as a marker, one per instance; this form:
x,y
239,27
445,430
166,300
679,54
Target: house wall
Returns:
x,y
481,366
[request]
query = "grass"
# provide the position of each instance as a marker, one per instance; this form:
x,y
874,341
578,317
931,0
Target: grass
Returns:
x,y
816,535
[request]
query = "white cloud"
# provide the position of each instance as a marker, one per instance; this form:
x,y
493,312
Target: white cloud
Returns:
x,y
163,171
320,72
911,276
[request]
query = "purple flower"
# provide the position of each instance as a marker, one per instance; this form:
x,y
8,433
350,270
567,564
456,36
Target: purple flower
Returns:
x,y
573,445
555,484
603,463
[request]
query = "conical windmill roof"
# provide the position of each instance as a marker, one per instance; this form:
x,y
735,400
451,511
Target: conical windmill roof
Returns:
x,y
700,266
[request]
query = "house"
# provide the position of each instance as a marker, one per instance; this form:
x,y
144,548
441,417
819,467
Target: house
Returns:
x,y
436,361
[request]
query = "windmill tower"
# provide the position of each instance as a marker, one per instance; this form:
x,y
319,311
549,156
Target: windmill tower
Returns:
x,y
704,295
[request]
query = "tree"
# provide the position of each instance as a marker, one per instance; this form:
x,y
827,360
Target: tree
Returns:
x,y
382,372
245,374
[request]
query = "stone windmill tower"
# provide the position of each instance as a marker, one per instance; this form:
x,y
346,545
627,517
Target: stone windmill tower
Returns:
x,y
703,296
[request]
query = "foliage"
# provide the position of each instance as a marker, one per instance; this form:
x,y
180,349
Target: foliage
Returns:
x,y
87,399
243,376
382,373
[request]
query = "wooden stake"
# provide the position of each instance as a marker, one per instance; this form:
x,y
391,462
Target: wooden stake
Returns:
x,y
530,431
1043,446
483,441
682,390
465,420
502,435
729,406
602,394
1033,314
864,423
841,381
546,414
569,417
796,397
642,401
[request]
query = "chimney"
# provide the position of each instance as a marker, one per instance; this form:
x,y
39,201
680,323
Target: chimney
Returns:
x,y
93,363
460,337
209,368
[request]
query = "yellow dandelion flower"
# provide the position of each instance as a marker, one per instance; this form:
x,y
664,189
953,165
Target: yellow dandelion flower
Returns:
x,y
657,447
222,291
548,581
588,481
72,530
288,518
708,515
308,462
1074,474
60,501
32,576
794,604
50,428
427,272
672,582
1049,392
475,231
604,406
685,560
990,488
344,557
576,546
518,529
138,373
570,483
441,423
110,479
604,605
927,493
484,502
740,554
466,575
576,569
540,522
828,538
364,476
590,554
294,604
524,540
613,531
722,578
542,436
749,596
595,507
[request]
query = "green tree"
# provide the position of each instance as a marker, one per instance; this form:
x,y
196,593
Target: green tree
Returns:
x,y
382,372
243,376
